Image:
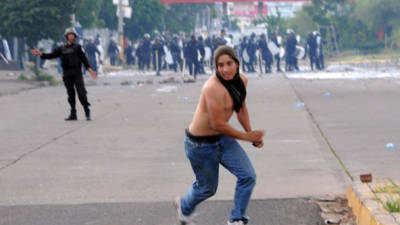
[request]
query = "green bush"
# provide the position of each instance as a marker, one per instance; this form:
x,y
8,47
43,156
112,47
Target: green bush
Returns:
x,y
370,46
22,77
40,76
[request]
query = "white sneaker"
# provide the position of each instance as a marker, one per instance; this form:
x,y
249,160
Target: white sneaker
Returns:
x,y
236,223
183,220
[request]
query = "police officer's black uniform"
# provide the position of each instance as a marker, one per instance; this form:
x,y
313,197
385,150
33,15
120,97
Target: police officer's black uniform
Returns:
x,y
274,39
72,57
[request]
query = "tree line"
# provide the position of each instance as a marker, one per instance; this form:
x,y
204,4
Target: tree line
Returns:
x,y
33,20
359,24
367,25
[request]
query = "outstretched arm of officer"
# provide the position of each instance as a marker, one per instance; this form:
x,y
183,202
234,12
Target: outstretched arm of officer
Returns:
x,y
36,51
92,73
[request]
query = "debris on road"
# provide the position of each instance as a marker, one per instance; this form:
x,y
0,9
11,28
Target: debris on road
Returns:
x,y
126,83
390,146
335,210
366,178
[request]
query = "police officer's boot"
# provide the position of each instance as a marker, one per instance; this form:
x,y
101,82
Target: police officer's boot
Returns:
x,y
87,113
72,116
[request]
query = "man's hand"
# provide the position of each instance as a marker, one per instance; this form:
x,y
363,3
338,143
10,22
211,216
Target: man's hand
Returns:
x,y
255,137
92,73
258,144
36,51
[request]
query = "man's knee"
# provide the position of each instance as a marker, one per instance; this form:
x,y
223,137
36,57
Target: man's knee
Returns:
x,y
249,180
209,190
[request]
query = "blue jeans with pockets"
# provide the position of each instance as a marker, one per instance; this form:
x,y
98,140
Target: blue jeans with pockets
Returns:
x,y
205,159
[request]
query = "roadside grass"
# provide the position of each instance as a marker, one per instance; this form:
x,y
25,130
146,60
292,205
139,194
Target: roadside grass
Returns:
x,y
393,206
392,188
389,188
40,76
22,77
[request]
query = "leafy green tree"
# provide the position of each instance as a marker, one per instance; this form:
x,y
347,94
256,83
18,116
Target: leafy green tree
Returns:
x,y
379,14
302,23
181,17
108,15
323,12
33,20
274,22
146,17
87,13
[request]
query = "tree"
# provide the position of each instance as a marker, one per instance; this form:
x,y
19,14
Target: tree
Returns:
x,y
146,17
302,23
274,22
87,13
323,11
181,17
33,20
379,14
108,15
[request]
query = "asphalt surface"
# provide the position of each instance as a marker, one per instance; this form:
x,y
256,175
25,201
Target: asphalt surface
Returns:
x,y
127,165
267,212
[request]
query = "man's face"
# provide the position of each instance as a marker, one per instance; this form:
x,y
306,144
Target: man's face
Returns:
x,y
71,37
227,67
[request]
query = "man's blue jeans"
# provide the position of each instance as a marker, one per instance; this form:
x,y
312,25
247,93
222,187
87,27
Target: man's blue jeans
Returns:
x,y
205,159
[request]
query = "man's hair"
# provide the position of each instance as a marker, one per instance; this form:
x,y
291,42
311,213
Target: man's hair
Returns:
x,y
225,50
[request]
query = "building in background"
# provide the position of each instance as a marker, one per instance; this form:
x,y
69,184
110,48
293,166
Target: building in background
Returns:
x,y
246,12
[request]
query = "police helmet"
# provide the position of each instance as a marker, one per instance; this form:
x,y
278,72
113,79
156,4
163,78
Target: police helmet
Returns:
x,y
70,30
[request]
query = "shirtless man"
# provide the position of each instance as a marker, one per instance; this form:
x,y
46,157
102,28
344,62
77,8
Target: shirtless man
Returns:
x,y
211,141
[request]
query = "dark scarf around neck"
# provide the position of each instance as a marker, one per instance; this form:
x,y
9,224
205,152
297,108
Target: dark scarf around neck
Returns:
x,y
236,90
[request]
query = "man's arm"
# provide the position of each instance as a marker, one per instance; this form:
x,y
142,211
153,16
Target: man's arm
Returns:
x,y
85,62
214,98
243,117
54,54
243,114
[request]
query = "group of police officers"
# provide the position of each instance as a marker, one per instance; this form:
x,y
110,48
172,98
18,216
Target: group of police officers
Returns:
x,y
192,54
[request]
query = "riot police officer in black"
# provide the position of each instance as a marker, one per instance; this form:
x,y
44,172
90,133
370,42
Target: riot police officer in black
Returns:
x,y
72,58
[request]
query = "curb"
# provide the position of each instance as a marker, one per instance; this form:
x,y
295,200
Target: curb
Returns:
x,y
368,206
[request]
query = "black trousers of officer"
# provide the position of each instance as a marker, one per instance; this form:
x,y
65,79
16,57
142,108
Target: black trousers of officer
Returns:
x,y
76,82
278,62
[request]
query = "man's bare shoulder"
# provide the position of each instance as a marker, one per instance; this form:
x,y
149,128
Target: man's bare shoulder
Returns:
x,y
213,87
244,78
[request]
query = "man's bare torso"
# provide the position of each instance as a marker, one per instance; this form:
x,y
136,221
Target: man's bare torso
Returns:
x,y
200,125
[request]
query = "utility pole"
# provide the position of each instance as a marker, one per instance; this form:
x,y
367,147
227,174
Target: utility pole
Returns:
x,y
121,29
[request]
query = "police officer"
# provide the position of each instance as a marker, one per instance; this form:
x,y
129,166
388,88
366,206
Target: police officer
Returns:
x,y
274,39
251,51
291,43
91,50
176,53
192,56
265,52
311,49
72,57
113,52
130,60
146,51
202,51
158,52
243,54
139,54
320,53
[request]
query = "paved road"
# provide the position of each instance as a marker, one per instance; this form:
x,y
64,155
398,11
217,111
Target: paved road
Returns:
x,y
130,161
358,119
